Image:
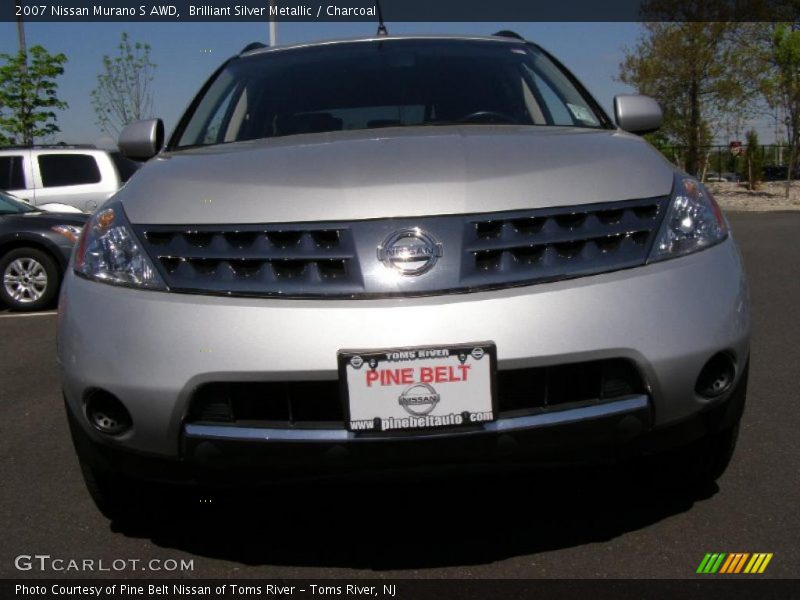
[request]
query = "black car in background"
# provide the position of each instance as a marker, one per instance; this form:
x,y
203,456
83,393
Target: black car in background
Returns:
x,y
34,251
779,173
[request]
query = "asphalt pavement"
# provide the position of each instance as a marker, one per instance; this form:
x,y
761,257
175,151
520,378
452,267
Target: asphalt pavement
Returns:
x,y
529,524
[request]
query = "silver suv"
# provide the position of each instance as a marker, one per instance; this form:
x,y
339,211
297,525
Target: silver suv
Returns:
x,y
79,176
400,251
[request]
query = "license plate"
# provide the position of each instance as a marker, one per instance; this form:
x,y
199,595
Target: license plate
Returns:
x,y
432,387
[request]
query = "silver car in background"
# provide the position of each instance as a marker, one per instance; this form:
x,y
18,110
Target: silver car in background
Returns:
x,y
401,251
79,176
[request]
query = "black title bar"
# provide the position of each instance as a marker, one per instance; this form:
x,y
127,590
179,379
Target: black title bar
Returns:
x,y
400,589
66,11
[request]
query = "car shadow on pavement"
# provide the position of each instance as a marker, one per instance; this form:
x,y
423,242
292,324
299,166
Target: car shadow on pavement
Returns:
x,y
413,521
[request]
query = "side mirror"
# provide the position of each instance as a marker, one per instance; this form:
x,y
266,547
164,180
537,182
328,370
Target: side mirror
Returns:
x,y
637,114
141,140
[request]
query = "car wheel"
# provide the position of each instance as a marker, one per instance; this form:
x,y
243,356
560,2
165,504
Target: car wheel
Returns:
x,y
30,279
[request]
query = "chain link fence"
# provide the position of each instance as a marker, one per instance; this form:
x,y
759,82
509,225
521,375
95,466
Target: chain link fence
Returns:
x,y
729,164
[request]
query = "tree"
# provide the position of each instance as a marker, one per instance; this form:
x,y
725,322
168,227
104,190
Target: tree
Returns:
x,y
778,78
752,169
28,97
691,69
123,93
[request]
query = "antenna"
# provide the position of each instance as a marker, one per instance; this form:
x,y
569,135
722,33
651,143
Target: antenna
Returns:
x,y
273,26
382,31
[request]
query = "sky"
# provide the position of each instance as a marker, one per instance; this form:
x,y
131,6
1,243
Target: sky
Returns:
x,y
187,53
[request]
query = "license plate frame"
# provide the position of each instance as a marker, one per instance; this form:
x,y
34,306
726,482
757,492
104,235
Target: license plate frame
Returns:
x,y
418,403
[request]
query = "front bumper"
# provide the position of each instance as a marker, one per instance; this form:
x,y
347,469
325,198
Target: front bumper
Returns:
x,y
153,349
252,457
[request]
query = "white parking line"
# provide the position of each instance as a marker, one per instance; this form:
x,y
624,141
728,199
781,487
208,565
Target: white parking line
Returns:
x,y
36,314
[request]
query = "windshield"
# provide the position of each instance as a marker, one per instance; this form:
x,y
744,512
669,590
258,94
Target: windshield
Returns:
x,y
13,206
393,83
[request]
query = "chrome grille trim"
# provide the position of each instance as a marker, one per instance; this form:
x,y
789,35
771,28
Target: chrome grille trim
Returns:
x,y
284,260
339,259
628,405
547,244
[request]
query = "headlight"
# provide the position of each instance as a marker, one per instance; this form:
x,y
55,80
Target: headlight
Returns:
x,y
71,232
694,221
108,252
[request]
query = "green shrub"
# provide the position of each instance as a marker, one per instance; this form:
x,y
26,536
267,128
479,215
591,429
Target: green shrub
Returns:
x,y
753,163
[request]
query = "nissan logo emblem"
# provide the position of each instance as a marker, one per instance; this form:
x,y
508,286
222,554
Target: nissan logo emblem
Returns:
x,y
419,399
410,251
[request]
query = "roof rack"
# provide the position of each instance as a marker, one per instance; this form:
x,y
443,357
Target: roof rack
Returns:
x,y
253,46
48,146
509,34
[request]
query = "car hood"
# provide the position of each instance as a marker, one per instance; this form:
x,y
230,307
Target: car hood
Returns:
x,y
43,220
396,172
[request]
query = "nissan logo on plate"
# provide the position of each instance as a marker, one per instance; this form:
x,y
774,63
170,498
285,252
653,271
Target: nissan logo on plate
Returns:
x,y
419,399
410,251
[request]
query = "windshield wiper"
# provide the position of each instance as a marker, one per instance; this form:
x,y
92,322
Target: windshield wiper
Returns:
x,y
469,122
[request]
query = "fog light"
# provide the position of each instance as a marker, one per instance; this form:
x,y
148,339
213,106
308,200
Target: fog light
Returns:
x,y
107,414
717,375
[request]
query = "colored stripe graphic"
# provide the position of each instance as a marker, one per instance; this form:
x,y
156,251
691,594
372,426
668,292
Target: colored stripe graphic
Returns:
x,y
739,566
711,563
765,563
734,563
727,564
704,563
759,563
715,567
757,558
737,561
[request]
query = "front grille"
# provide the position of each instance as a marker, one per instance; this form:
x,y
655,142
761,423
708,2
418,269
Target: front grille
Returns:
x,y
535,389
554,243
255,259
336,259
308,404
270,403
